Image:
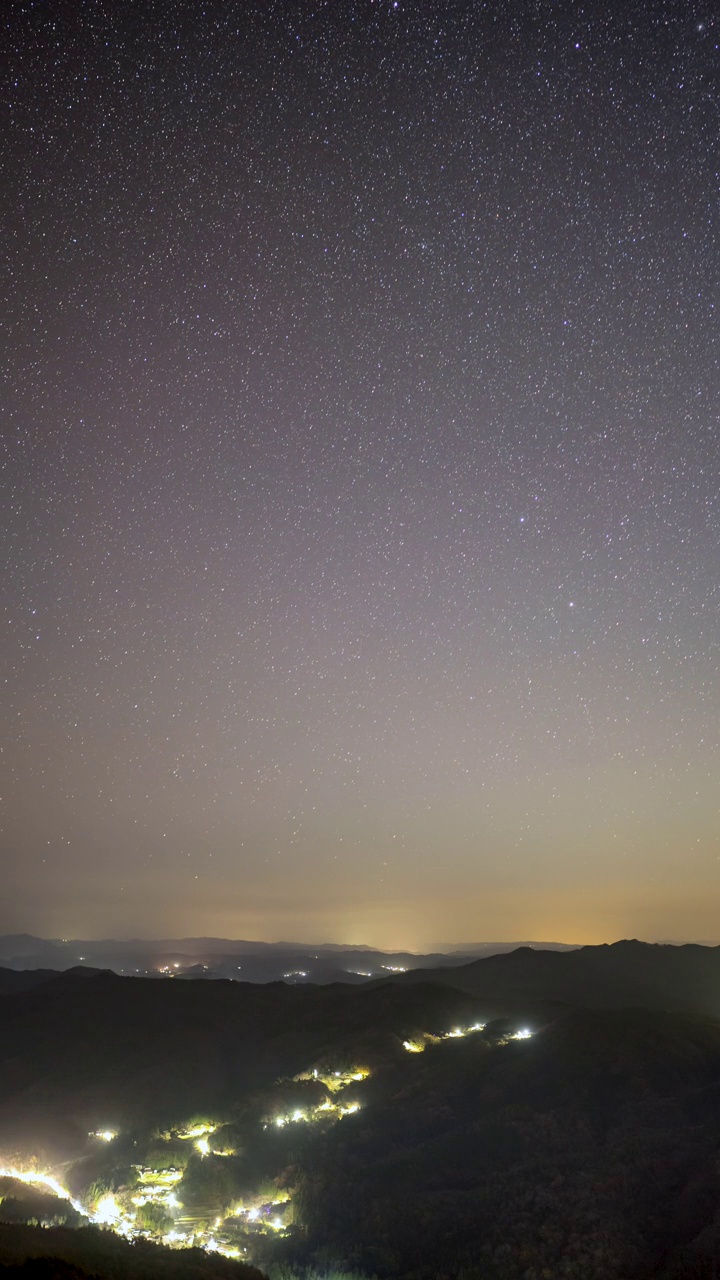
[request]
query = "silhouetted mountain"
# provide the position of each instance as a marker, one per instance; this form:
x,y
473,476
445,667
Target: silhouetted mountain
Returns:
x,y
628,973
591,1149
101,1049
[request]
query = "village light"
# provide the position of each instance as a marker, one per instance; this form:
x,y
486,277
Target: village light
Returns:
x,y
107,1211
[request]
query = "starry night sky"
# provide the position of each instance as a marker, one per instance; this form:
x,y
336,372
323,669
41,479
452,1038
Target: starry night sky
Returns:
x,y
361,410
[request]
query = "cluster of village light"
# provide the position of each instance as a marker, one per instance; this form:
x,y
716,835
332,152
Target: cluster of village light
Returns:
x,y
321,1112
420,1043
155,1186
158,1186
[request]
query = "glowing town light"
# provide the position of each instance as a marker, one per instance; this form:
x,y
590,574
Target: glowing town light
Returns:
x,y
453,1035
276,1222
413,1046
253,1215
108,1210
298,1115
203,1146
280,1121
45,1180
107,1135
522,1035
197,1131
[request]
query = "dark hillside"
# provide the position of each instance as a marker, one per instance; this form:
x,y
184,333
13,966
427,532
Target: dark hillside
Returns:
x,y
30,1252
13,981
635,974
591,1151
102,1049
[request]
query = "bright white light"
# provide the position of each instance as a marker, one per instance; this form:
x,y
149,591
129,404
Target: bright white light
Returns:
x,y
522,1035
108,1210
253,1215
412,1046
203,1146
46,1180
197,1131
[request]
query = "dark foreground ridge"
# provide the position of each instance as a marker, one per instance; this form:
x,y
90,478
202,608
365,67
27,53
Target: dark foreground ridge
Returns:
x,y
59,1253
588,1150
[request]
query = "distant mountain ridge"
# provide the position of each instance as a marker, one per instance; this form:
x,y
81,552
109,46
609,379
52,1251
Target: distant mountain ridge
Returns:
x,y
681,977
249,961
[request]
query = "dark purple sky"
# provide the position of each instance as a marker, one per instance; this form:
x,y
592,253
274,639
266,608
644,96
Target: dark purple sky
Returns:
x,y
364,471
